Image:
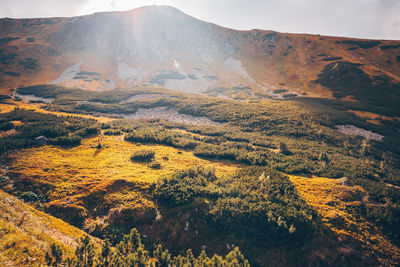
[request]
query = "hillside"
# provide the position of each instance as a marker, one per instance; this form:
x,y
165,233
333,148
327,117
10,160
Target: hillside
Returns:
x,y
150,138
161,46
206,173
27,233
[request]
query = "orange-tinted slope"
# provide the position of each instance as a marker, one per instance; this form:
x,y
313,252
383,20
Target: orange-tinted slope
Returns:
x,y
135,47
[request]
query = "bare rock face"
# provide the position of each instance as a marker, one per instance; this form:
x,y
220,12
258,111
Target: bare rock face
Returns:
x,y
150,33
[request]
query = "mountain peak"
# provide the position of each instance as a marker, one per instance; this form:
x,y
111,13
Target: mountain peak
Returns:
x,y
159,7
161,45
161,10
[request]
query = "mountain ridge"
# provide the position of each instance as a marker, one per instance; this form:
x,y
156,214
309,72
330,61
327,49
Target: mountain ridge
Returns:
x,y
162,46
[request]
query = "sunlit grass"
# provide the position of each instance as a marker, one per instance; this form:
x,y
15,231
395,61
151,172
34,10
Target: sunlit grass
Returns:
x,y
38,107
27,233
75,170
338,206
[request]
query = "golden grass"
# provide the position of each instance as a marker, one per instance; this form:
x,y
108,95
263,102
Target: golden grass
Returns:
x,y
4,108
26,233
17,123
337,205
38,107
7,133
86,166
373,117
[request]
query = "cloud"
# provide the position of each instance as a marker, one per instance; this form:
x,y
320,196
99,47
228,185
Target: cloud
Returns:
x,y
356,18
392,24
40,8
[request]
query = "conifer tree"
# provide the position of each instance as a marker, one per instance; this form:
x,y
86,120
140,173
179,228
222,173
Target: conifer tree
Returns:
x,y
85,252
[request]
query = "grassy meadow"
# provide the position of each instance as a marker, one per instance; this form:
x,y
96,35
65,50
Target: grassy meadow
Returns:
x,y
250,180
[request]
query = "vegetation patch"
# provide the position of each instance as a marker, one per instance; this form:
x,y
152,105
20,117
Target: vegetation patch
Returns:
x,y
359,43
272,207
130,251
4,97
143,156
13,74
6,59
236,92
346,78
79,184
338,203
80,77
332,58
8,39
74,95
386,47
107,193
88,73
28,233
170,75
211,77
57,129
29,63
289,95
193,77
279,91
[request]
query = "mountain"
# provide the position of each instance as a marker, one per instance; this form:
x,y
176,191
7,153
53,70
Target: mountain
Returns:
x,y
283,147
161,46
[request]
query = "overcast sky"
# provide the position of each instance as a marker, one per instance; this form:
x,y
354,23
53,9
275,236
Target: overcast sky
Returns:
x,y
378,19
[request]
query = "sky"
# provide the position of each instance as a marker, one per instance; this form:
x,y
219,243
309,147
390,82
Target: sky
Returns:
x,y
375,19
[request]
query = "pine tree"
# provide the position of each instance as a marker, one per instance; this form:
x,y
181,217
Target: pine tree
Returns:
x,y
292,229
236,258
162,256
54,257
85,252
105,257
283,148
130,243
365,145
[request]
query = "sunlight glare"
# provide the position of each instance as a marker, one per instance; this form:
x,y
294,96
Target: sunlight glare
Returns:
x,y
119,5
176,64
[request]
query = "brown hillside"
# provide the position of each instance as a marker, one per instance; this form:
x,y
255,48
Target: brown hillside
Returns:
x,y
165,47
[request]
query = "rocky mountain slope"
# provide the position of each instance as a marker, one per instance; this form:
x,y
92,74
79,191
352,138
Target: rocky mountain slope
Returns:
x,y
161,46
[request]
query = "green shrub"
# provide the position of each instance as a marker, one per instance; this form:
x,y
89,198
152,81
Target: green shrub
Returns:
x,y
112,132
155,165
283,148
254,198
30,197
88,131
60,130
4,97
5,126
131,252
67,141
161,136
143,155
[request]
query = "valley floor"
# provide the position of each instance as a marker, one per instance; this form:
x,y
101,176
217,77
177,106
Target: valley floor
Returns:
x,y
208,187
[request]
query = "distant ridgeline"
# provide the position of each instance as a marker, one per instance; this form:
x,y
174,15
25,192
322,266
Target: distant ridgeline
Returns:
x,y
106,51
